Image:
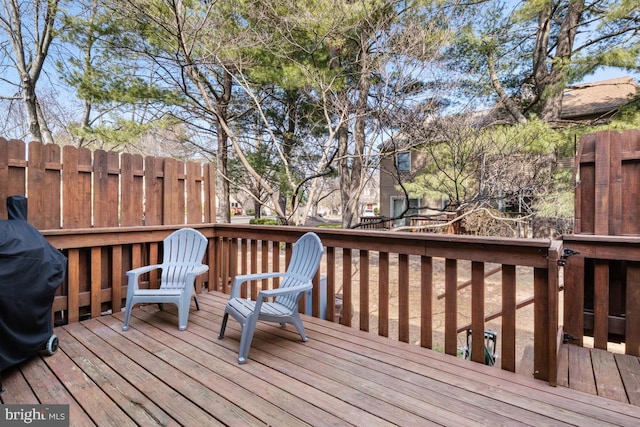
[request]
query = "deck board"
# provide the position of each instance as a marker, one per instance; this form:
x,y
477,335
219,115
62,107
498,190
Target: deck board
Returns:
x,y
607,376
48,389
102,409
630,368
393,372
21,392
581,371
155,374
117,385
184,381
599,372
563,367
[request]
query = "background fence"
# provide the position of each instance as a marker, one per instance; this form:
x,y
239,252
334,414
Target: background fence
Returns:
x,y
73,188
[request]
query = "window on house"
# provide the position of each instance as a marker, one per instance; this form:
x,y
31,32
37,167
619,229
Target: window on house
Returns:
x,y
414,204
398,205
403,161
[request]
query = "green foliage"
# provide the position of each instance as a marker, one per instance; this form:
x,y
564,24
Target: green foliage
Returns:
x,y
556,205
263,221
500,162
116,87
491,165
530,65
303,70
329,226
454,164
535,137
628,117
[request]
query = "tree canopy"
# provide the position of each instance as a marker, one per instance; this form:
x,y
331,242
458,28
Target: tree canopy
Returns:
x,y
285,94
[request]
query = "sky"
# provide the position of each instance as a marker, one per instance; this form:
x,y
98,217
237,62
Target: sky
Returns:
x,y
607,73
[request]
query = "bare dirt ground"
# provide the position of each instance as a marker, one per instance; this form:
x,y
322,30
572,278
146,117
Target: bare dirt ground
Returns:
x,y
493,302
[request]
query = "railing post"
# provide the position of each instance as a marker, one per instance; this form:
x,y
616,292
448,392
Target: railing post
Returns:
x,y
555,332
546,331
451,307
541,324
632,338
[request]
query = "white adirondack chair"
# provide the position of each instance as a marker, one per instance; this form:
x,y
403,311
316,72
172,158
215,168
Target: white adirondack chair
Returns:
x,y
305,260
181,264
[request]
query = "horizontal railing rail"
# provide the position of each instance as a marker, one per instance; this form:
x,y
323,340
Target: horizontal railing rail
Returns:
x,y
384,283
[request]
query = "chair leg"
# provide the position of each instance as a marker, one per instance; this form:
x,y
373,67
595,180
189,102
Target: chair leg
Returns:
x,y
127,316
297,322
248,328
195,297
223,326
183,313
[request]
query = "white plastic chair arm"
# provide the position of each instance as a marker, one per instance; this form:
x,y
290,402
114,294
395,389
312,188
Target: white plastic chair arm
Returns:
x,y
144,269
268,293
239,280
291,290
132,275
198,270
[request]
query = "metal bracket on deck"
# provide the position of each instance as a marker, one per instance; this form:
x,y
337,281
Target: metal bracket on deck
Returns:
x,y
566,253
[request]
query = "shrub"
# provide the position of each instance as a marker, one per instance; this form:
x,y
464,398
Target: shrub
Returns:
x,y
482,223
329,226
263,221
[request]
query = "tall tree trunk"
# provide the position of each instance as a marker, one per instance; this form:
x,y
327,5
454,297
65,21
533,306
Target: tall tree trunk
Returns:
x,y
551,78
345,173
258,208
288,143
352,165
221,161
504,98
29,100
47,138
42,32
224,204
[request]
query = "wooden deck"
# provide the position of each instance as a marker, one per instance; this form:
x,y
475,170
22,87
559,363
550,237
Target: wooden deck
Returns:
x,y
156,375
611,375
607,374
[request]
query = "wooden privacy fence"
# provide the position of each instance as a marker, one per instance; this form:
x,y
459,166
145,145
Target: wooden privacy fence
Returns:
x,y
602,281
73,188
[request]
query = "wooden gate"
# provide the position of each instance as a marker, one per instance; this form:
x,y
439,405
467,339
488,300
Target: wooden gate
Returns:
x,y
601,281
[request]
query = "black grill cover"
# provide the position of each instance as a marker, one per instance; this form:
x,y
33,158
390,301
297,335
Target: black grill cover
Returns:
x,y
30,272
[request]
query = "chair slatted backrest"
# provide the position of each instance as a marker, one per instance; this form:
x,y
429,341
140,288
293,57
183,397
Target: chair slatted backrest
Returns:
x,y
304,263
183,250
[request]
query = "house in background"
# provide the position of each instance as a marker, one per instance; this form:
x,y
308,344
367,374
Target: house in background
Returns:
x,y
369,199
402,165
595,103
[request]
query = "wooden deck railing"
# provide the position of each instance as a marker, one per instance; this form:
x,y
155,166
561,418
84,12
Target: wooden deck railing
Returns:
x,y
603,278
387,281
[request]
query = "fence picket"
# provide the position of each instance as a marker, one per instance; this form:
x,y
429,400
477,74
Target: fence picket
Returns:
x,y
73,188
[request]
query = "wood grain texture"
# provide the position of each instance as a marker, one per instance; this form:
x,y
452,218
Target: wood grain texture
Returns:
x,y
155,374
